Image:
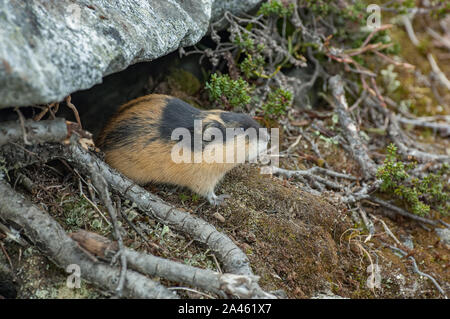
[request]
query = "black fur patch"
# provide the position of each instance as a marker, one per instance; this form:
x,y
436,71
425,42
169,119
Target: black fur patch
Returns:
x,y
239,120
125,133
178,114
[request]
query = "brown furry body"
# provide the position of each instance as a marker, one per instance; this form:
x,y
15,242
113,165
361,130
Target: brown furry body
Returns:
x,y
137,142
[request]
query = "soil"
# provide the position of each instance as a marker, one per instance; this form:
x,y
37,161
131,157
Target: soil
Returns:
x,y
302,244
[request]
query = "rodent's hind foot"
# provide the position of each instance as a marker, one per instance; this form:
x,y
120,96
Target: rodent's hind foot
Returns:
x,y
217,200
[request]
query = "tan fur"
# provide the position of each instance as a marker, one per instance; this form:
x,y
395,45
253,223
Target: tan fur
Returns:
x,y
153,163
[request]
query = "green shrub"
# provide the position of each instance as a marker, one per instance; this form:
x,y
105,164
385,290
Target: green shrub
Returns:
x,y
252,66
234,93
276,8
277,103
418,195
244,42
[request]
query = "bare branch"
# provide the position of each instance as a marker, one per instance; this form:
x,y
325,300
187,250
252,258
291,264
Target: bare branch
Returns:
x,y
437,71
444,41
442,128
102,188
52,240
350,130
396,134
403,212
409,30
363,193
36,132
221,284
235,261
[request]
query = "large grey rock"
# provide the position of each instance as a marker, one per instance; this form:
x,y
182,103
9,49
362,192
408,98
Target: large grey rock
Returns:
x,y
50,49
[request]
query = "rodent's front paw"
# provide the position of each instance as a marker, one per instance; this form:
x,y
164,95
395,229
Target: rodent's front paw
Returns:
x,y
217,200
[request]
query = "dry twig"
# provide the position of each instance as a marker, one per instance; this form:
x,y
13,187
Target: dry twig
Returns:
x,y
350,130
215,282
55,244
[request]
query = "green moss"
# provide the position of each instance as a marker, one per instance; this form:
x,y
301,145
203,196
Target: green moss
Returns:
x,y
79,213
201,259
184,81
61,291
